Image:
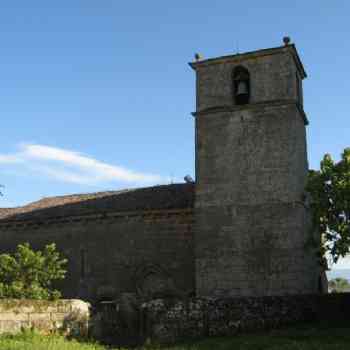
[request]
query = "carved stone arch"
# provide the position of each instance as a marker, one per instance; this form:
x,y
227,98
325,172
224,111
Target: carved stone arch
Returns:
x,y
153,281
241,85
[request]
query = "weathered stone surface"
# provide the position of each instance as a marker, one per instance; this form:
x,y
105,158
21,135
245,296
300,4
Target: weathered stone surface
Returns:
x,y
11,316
79,306
115,251
252,224
13,327
44,316
58,317
273,77
176,320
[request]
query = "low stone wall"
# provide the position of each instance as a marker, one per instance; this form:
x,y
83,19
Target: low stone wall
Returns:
x,y
70,316
170,321
130,322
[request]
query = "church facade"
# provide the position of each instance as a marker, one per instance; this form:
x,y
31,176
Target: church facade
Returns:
x,y
242,229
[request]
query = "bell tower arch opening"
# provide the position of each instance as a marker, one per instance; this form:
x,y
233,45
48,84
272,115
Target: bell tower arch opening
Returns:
x,y
241,85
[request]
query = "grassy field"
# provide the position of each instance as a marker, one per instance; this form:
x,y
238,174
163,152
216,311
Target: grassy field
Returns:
x,y
305,338
31,341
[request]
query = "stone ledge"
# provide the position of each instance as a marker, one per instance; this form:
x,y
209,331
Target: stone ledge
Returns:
x,y
253,106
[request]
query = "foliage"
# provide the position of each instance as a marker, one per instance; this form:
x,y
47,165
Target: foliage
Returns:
x,y
330,191
339,285
28,274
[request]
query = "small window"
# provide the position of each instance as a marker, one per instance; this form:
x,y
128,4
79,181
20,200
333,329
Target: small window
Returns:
x,y
82,263
241,85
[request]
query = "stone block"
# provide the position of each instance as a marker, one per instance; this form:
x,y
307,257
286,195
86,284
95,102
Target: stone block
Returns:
x,y
58,317
64,306
36,317
80,306
14,316
13,327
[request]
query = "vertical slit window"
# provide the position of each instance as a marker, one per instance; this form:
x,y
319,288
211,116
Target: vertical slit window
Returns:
x,y
82,263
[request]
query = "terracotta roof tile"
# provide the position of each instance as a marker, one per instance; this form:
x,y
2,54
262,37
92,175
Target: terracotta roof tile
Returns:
x,y
174,196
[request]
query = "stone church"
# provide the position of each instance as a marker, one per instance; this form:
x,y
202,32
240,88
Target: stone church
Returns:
x,y
241,229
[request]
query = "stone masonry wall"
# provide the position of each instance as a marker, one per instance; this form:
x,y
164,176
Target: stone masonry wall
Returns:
x,y
253,231
253,234
168,321
70,316
176,320
273,77
134,252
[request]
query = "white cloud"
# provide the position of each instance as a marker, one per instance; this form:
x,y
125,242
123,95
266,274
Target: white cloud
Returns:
x,y
10,158
74,167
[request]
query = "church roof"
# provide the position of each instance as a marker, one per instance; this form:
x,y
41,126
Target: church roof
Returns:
x,y
174,196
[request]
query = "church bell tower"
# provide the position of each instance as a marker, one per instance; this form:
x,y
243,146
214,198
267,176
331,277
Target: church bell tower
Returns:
x,y
252,223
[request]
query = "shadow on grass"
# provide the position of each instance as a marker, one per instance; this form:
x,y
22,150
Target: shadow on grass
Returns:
x,y
320,336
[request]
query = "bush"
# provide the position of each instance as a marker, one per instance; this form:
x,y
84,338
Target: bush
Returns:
x,y
339,285
330,191
28,274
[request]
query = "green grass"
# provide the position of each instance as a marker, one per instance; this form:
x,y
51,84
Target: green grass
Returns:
x,y
291,339
33,341
302,338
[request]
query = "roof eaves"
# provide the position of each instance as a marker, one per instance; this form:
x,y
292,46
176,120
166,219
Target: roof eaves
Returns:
x,y
252,54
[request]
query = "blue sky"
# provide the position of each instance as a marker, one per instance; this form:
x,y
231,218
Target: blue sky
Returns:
x,y
97,95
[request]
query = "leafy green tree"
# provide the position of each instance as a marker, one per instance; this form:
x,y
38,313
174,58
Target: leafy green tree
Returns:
x,y
330,191
29,274
339,285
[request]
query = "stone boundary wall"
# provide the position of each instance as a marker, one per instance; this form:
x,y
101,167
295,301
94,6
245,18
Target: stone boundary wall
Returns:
x,y
69,316
169,320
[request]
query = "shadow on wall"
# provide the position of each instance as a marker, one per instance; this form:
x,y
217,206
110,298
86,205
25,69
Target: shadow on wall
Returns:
x,y
171,320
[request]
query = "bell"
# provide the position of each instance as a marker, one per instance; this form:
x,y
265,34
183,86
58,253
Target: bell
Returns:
x,y
242,88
